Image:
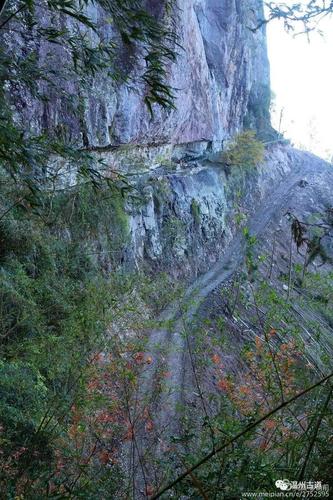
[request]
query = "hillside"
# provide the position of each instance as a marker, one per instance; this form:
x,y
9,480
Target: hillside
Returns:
x,y
166,259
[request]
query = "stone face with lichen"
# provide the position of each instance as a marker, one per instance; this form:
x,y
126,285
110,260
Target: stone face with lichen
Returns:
x,y
189,203
220,77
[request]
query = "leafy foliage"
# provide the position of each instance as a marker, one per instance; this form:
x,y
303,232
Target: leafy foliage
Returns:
x,y
255,422
304,14
68,380
64,376
69,25
52,315
56,298
246,150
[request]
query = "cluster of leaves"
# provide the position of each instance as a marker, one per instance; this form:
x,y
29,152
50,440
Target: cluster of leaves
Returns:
x,y
158,40
304,14
245,150
55,299
54,303
89,48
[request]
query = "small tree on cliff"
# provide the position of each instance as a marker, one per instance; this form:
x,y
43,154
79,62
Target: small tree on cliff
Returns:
x,y
245,150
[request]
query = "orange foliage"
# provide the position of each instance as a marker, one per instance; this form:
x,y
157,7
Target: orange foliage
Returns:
x,y
224,384
149,426
149,490
263,445
244,390
104,457
104,417
139,357
92,385
129,434
258,343
270,424
216,359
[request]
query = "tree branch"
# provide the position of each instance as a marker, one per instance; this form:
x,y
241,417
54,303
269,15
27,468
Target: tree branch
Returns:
x,y
237,436
14,14
315,434
2,6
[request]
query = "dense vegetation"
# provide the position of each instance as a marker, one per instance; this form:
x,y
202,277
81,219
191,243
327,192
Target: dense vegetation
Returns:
x,y
57,304
53,313
56,298
68,383
73,325
262,373
245,150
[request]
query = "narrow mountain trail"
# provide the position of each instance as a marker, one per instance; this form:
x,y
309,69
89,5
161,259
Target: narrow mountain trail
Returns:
x,y
168,346
179,312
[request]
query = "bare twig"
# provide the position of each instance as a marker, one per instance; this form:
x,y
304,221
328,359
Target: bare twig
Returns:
x,y
268,344
2,5
272,257
195,481
11,16
11,207
199,388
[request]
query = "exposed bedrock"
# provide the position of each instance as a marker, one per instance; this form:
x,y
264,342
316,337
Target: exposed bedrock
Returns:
x,y
221,81
185,207
182,218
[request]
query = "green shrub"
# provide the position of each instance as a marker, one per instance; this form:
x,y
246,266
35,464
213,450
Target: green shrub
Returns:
x,y
23,394
245,150
195,211
54,304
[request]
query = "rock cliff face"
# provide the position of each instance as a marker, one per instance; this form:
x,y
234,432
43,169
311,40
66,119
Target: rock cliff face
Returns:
x,y
221,78
186,215
186,207
182,217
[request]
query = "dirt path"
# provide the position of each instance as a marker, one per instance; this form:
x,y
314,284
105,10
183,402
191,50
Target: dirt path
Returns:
x,y
271,209
168,346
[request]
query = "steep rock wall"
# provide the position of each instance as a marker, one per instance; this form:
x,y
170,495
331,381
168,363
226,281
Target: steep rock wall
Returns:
x,y
222,68
221,77
182,218
185,211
